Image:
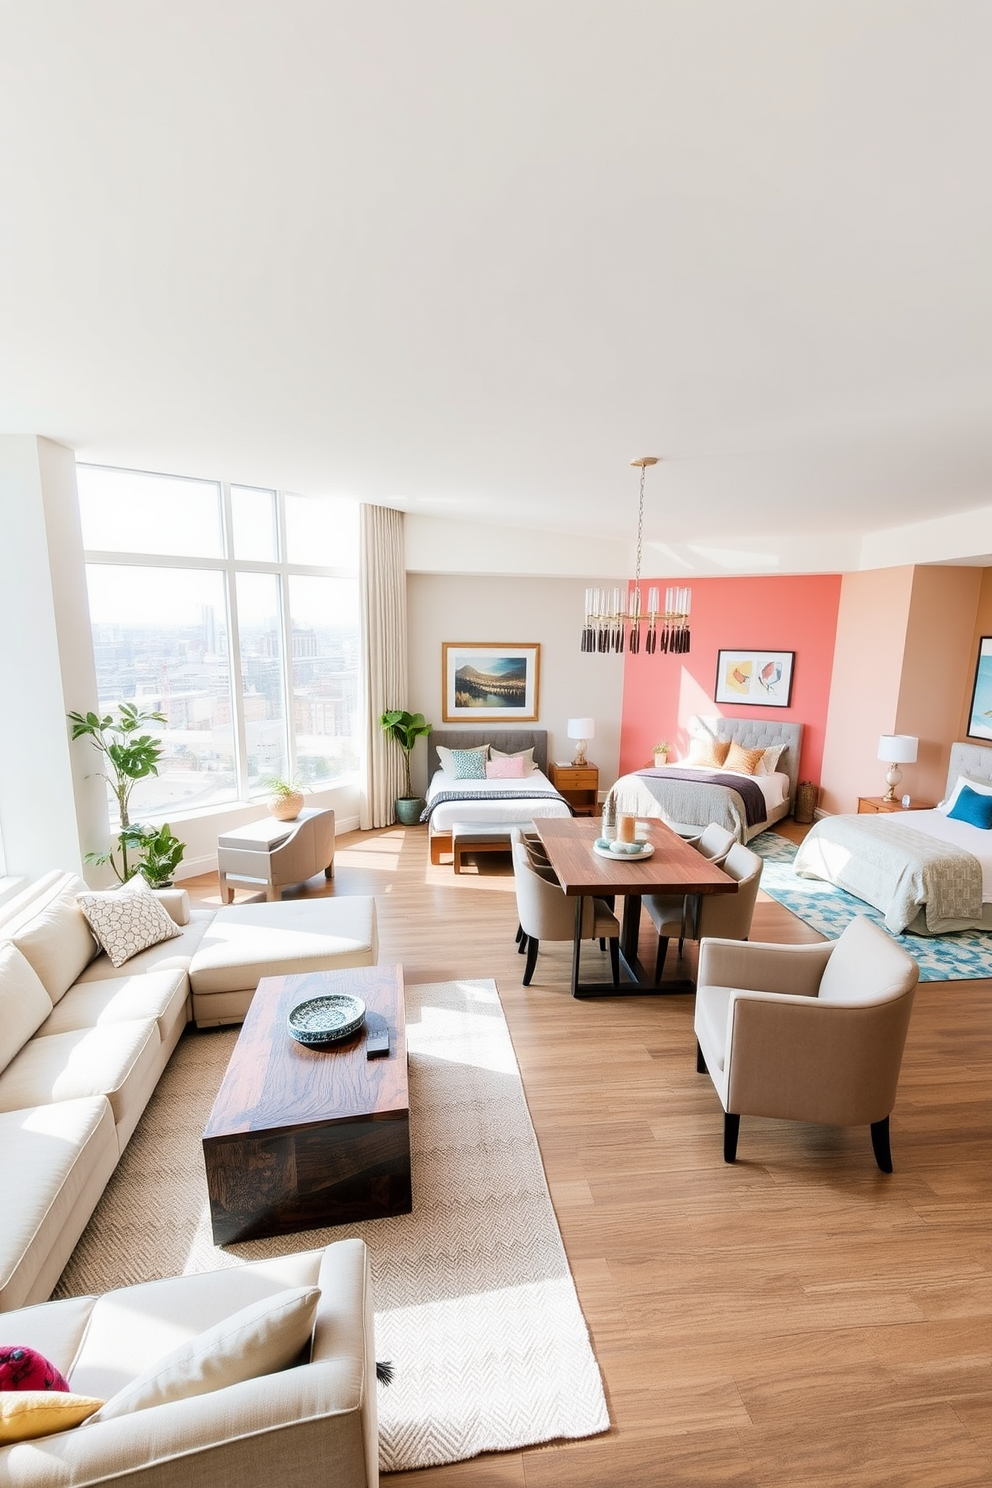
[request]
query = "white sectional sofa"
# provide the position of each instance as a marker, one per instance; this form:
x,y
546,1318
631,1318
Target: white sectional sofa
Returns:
x,y
83,1043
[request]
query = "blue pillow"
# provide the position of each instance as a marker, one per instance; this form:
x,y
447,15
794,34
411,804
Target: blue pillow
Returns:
x,y
470,764
971,806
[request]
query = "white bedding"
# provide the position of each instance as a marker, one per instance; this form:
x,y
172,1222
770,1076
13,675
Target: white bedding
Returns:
x,y
509,807
774,788
957,833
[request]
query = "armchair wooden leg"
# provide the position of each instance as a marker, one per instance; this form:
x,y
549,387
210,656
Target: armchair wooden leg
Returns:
x,y
880,1144
731,1131
615,961
532,946
521,939
659,960
700,1061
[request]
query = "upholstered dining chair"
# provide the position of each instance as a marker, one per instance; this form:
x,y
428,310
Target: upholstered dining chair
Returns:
x,y
806,1032
714,842
547,913
725,915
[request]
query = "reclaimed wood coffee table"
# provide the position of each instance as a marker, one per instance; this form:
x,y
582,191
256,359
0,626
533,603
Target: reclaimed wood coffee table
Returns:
x,y
299,1137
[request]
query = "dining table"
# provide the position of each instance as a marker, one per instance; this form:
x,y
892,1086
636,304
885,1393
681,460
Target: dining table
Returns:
x,y
673,867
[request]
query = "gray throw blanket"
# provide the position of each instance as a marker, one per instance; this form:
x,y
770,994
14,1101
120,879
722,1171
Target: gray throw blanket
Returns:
x,y
755,810
489,795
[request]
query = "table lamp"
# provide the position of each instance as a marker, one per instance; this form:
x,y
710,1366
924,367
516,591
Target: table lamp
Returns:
x,y
582,730
898,749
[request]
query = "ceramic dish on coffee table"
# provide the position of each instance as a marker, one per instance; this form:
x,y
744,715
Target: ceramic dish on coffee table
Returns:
x,y
644,850
326,1020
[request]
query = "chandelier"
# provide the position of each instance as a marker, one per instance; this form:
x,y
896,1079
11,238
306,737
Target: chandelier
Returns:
x,y
610,625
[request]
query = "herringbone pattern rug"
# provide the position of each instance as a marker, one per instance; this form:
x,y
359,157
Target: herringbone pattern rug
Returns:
x,y
475,1304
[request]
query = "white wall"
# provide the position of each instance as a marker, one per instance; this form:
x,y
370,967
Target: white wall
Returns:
x,y
450,607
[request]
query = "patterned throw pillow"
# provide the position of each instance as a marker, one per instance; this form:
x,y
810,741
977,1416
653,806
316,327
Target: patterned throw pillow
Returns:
x,y
508,767
23,1368
447,756
470,764
708,753
127,920
744,761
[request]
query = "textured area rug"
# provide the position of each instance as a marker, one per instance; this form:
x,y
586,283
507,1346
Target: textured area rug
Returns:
x,y
965,956
475,1304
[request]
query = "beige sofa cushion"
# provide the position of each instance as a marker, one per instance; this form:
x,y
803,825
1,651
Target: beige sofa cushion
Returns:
x,y
54,1163
110,1061
250,941
160,995
258,1339
171,955
50,929
24,1003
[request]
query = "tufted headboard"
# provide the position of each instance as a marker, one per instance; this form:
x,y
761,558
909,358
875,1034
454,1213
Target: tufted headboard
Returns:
x,y
969,759
509,740
757,733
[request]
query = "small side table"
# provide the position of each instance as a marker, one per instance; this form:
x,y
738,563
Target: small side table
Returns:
x,y
579,784
274,853
871,805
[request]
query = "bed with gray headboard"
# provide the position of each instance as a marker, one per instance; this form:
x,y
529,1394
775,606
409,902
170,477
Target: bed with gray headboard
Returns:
x,y
689,800
510,803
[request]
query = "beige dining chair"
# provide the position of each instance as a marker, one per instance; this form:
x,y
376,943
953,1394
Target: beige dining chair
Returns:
x,y
690,917
806,1032
714,842
545,912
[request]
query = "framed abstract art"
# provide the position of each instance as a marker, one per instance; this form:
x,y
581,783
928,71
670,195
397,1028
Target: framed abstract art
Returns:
x,y
761,677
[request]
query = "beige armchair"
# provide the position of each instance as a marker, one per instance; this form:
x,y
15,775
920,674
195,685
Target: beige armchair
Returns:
x,y
276,853
299,1426
693,916
546,913
808,1032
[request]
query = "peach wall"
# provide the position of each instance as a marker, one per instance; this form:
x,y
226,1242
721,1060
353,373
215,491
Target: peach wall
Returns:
x,y
771,614
937,671
867,670
982,627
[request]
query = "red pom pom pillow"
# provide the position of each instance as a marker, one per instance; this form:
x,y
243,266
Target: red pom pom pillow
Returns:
x,y
23,1368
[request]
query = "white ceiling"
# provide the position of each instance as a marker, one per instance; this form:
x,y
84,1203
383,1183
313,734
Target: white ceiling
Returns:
x,y
468,257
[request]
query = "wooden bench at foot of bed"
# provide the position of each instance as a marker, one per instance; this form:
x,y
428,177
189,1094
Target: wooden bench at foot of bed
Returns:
x,y
474,837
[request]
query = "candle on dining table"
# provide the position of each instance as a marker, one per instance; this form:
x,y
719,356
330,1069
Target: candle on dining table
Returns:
x,y
625,829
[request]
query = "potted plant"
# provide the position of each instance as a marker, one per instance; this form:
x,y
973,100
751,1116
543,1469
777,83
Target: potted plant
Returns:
x,y
129,756
285,797
661,753
405,729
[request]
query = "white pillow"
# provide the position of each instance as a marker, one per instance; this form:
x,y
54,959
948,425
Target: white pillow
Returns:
x,y
127,920
527,755
982,787
768,764
447,760
266,1336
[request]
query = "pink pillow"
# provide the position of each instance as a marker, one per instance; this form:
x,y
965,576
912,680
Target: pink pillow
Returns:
x,y
511,767
23,1368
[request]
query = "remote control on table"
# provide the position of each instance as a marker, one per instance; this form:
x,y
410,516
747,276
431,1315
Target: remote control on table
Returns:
x,y
377,1045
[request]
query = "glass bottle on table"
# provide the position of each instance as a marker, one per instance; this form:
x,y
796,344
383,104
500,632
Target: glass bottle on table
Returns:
x,y
608,828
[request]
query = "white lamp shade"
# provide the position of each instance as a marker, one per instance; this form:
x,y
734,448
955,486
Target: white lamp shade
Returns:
x,y
585,728
898,749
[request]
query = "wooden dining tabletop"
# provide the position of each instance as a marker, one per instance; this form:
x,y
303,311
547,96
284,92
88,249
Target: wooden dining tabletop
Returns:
x,y
675,867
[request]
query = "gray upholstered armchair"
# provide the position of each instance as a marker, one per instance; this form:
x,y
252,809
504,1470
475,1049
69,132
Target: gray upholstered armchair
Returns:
x,y
546,913
808,1032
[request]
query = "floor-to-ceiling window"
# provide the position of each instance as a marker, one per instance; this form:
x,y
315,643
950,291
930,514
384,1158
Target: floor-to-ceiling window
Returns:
x,y
233,611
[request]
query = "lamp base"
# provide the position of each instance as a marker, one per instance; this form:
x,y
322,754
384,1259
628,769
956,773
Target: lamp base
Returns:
x,y
580,752
892,779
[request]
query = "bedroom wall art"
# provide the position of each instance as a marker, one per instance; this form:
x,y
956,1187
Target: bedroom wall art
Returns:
x,y
484,681
762,678
980,712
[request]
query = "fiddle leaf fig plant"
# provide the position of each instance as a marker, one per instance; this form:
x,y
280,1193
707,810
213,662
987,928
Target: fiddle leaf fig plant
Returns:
x,y
128,756
406,728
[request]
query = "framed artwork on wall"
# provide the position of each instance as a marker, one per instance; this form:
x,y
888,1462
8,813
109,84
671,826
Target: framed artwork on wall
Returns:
x,y
754,677
489,681
980,713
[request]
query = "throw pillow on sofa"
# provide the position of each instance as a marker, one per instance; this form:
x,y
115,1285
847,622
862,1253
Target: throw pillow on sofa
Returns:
x,y
23,1368
127,920
28,1414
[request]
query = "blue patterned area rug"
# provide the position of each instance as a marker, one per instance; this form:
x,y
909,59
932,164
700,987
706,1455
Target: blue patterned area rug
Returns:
x,y
965,956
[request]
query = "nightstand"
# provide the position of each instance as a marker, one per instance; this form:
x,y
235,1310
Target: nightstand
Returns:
x,y
579,784
876,804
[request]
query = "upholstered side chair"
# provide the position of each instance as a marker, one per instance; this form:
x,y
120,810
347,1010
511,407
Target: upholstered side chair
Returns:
x,y
691,917
545,912
807,1032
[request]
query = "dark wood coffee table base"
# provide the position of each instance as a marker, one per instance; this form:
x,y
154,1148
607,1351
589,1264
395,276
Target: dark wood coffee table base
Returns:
x,y
301,1138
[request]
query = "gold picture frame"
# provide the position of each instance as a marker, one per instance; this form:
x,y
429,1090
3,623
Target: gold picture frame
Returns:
x,y
490,681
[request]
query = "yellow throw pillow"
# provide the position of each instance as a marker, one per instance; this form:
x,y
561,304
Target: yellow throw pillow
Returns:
x,y
26,1414
709,753
744,761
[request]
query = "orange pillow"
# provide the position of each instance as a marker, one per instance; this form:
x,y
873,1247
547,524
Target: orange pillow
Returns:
x,y
744,761
710,753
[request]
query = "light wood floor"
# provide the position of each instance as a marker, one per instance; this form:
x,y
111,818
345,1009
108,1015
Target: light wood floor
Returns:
x,y
795,1319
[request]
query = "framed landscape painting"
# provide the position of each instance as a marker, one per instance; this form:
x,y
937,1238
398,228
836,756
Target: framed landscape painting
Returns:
x,y
761,677
980,716
489,682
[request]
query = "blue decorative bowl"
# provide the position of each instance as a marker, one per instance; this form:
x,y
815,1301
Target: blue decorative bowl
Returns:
x,y
326,1020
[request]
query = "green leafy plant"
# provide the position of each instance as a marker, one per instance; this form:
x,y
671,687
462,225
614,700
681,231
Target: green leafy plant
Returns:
x,y
129,756
277,785
663,748
405,728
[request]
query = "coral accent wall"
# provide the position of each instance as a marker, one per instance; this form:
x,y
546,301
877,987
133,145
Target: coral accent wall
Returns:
x,y
775,613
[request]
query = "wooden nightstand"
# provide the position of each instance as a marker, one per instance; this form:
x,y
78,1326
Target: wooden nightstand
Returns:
x,y
875,804
579,784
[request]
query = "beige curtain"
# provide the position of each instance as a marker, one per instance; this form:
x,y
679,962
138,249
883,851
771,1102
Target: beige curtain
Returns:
x,y
382,587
